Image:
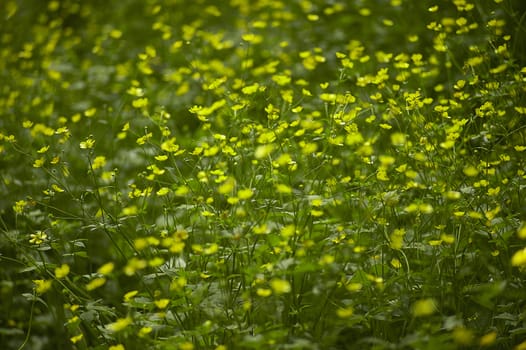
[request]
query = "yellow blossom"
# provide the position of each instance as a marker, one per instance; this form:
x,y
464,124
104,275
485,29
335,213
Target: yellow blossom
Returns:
x,y
282,188
280,286
106,268
162,303
396,263
87,144
519,258
488,339
38,237
144,331
39,163
75,339
95,283
99,162
263,151
463,336
61,271
19,206
345,312
398,139
470,171
163,191
140,102
129,296
263,292
245,193
117,347
186,346
42,286
119,325
424,307
90,112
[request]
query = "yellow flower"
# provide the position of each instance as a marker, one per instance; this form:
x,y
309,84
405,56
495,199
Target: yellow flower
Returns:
x,y
470,171
140,102
288,231
250,89
38,237
119,325
144,331
95,283
87,144
519,258
62,271
263,151
43,149
261,229
186,346
178,284
424,307
211,249
227,186
73,320
463,336
75,339
133,265
425,208
90,112
345,312
282,188
353,286
452,195
106,268
156,261
56,188
280,286
397,239
116,347
448,239
182,191
39,162
163,191
177,247
42,286
170,145
128,296
246,193
19,206
99,162
488,339
396,263
263,292
326,259
162,303
398,139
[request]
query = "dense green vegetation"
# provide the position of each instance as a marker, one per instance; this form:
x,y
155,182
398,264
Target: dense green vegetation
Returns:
x,y
262,174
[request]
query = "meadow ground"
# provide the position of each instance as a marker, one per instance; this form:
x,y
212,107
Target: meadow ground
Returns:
x,y
262,174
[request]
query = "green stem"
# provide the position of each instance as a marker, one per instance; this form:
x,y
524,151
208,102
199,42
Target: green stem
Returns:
x,y
30,322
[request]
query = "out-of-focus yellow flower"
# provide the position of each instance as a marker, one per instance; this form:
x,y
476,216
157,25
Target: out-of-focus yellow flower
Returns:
x,y
119,325
280,286
42,286
519,258
62,271
424,307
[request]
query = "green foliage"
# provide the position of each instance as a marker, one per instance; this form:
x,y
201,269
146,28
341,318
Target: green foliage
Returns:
x,y
269,174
